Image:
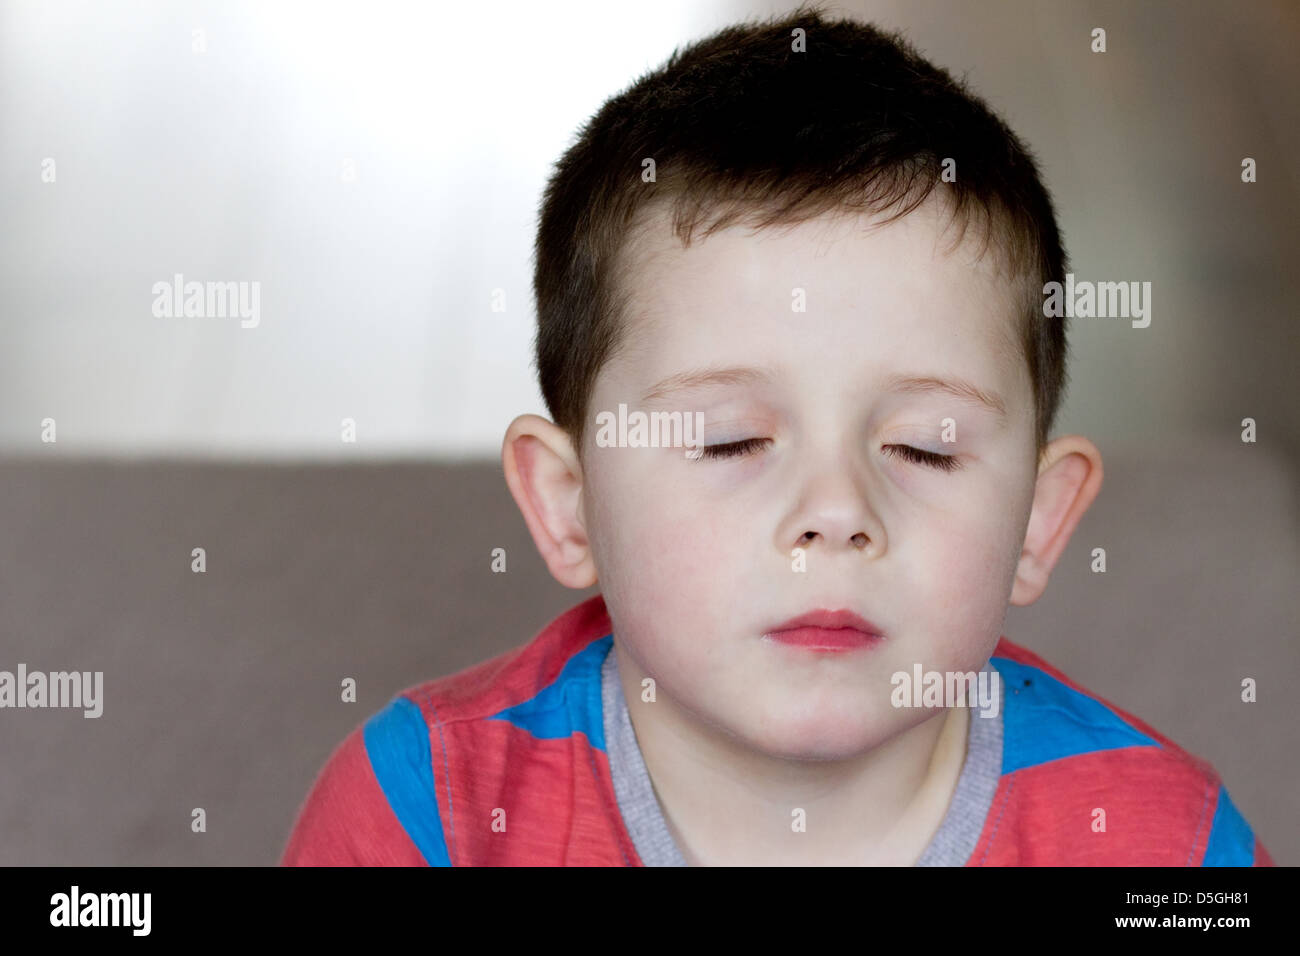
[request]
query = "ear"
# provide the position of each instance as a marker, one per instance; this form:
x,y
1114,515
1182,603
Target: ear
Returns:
x,y
1069,477
545,478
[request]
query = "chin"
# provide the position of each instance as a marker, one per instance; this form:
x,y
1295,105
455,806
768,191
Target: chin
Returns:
x,y
823,736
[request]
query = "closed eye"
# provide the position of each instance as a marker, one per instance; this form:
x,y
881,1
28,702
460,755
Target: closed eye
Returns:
x,y
735,449
920,457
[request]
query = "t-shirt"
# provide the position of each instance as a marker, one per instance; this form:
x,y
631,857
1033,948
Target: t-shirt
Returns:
x,y
530,759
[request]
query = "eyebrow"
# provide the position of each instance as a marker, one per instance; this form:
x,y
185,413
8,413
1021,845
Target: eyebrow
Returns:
x,y
961,390
909,384
699,378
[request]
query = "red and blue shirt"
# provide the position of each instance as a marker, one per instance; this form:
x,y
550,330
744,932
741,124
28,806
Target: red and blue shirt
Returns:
x,y
523,761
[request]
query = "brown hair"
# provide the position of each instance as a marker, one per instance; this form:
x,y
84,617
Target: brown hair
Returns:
x,y
742,121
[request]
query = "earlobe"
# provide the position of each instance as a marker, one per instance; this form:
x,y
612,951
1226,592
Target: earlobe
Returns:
x,y
1069,478
545,478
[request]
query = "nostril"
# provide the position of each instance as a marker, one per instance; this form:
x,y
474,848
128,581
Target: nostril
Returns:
x,y
860,540
808,535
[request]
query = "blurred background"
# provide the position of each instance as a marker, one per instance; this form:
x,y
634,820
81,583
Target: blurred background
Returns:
x,y
375,170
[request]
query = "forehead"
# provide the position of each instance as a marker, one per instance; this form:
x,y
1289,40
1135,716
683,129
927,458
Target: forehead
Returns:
x,y
836,290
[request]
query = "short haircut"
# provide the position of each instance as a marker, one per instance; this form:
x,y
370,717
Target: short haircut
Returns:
x,y
741,122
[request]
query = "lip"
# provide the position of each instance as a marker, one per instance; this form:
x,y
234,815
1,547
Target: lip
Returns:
x,y
826,630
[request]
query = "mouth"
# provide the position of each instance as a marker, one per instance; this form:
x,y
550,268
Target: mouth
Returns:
x,y
824,630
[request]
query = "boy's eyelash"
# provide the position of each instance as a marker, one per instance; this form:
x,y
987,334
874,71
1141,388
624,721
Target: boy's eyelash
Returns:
x,y
735,449
749,445
933,459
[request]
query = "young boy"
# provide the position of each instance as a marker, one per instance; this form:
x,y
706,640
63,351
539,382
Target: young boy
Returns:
x,y
814,264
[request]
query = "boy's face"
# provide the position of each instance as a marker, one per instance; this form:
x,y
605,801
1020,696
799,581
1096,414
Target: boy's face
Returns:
x,y
696,557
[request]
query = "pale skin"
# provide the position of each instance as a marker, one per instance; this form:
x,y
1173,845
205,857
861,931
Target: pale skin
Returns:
x,y
747,736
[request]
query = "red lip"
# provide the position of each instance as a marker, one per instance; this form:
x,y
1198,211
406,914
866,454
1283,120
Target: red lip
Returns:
x,y
827,630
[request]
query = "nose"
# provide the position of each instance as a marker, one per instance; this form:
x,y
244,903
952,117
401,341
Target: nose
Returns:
x,y
860,541
832,513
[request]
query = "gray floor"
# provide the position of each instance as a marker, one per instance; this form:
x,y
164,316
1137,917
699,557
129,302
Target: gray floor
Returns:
x,y
222,689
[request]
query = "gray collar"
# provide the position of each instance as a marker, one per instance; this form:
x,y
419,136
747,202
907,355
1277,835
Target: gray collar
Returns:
x,y
951,845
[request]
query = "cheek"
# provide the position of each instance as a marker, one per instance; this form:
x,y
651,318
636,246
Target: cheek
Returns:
x,y
668,589
657,548
971,565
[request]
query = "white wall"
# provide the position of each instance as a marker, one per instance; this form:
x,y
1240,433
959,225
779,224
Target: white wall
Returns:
x,y
376,294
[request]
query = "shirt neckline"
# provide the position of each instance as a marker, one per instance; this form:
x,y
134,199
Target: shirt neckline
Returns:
x,y
952,844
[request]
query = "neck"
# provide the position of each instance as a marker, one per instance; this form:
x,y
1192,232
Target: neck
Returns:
x,y
730,805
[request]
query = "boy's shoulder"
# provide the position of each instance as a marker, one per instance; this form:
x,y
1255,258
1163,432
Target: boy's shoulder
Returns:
x,y
485,765
1084,782
505,763
524,683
